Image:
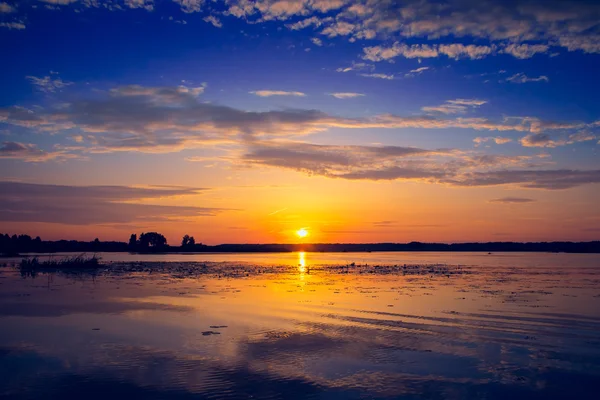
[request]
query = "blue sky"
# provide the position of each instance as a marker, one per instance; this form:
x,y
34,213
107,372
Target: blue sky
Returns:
x,y
460,94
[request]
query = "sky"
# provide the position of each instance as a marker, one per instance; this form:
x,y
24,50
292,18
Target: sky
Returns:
x,y
240,121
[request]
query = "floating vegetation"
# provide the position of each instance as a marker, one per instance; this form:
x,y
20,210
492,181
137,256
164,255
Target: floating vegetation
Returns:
x,y
76,264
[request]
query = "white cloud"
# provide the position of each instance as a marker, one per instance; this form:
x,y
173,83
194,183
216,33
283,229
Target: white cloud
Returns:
x,y
522,78
145,4
378,76
190,6
458,106
457,51
357,67
498,140
213,20
267,93
12,25
523,51
6,8
346,95
380,53
317,41
305,23
327,5
47,84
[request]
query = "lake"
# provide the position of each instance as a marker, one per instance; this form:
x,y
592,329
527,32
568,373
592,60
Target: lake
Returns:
x,y
305,326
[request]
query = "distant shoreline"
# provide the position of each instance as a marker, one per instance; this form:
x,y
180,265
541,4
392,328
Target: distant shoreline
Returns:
x,y
63,246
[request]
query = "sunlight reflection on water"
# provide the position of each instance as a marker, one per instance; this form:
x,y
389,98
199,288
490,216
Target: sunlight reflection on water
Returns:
x,y
505,325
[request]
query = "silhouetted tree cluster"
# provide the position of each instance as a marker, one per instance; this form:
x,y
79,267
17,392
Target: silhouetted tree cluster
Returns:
x,y
151,242
147,242
188,241
19,244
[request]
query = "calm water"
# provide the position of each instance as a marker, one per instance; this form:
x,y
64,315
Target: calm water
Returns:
x,y
294,326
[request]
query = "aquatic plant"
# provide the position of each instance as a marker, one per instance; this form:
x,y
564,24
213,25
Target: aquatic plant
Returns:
x,y
75,262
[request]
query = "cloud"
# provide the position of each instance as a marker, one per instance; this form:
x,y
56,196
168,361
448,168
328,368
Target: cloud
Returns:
x,y
169,94
357,67
47,84
441,166
268,93
339,28
31,153
328,160
414,72
317,41
458,51
170,119
13,25
327,5
524,51
482,28
148,5
305,23
378,76
545,140
214,21
59,2
533,179
345,95
522,78
380,53
512,200
458,106
498,140
190,6
6,8
82,205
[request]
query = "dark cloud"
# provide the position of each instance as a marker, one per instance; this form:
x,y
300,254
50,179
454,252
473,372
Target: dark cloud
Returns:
x,y
30,152
81,205
533,179
330,160
509,200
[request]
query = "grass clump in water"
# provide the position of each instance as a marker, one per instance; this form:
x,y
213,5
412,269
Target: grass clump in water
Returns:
x,y
76,262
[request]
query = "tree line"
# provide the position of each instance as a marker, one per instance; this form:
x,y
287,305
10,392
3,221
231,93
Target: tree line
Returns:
x,y
154,242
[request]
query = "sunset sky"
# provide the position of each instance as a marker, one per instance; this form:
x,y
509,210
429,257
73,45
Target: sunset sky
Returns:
x,y
244,121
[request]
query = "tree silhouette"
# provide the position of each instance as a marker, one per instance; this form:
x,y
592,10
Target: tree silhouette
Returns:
x,y
185,241
152,240
133,241
192,241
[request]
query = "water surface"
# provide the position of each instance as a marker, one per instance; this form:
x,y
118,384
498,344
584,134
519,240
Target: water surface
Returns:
x,y
304,325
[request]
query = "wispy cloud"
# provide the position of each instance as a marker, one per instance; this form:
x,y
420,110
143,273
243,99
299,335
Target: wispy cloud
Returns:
x,y
83,205
458,106
214,21
317,41
48,84
522,78
414,72
498,140
346,95
6,8
378,76
524,51
512,200
268,93
12,25
31,153
546,140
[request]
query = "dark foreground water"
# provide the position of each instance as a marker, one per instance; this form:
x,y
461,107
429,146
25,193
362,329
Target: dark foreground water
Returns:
x,y
295,326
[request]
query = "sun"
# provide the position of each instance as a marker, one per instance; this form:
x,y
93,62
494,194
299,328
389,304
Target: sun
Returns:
x,y
302,233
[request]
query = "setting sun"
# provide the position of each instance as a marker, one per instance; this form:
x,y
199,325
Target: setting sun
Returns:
x,y
302,233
